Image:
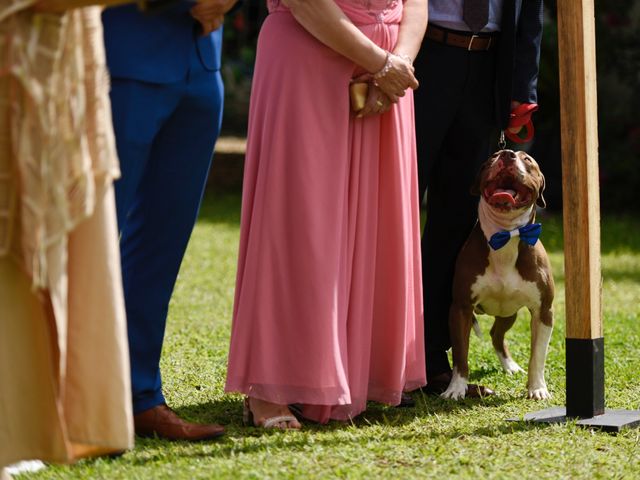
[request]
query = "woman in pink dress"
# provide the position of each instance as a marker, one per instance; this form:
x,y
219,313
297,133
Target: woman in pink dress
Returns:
x,y
328,303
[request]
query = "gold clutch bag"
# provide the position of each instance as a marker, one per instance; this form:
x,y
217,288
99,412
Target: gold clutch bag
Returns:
x,y
358,95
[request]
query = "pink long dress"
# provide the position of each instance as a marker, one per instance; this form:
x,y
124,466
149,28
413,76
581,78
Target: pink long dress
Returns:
x,y
328,303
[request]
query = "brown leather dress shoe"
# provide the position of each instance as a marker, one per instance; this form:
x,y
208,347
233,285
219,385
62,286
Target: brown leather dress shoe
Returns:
x,y
163,422
438,384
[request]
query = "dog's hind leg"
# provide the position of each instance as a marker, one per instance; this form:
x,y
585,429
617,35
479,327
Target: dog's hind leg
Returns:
x,y
541,328
501,325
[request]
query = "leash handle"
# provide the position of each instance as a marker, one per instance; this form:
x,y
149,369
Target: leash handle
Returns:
x,y
516,138
521,117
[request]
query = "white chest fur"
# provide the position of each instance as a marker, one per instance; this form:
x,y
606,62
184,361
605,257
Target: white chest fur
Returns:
x,y
500,290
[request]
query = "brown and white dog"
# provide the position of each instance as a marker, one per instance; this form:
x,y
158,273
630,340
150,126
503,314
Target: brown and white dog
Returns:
x,y
500,281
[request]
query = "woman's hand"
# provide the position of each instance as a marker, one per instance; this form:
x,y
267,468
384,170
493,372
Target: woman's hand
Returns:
x,y
377,102
210,13
398,77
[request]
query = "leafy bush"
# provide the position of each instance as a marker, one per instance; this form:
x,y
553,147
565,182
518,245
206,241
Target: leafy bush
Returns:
x,y
239,54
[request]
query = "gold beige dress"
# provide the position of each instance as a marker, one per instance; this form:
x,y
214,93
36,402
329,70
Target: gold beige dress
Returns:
x,y
64,366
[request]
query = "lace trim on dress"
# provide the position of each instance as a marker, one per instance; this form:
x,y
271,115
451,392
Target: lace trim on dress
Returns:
x,y
378,8
377,5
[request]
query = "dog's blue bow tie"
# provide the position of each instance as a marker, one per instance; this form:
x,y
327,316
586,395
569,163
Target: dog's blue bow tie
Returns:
x,y
529,233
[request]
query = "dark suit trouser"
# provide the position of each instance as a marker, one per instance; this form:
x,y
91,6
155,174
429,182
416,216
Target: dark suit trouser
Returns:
x,y
165,134
454,121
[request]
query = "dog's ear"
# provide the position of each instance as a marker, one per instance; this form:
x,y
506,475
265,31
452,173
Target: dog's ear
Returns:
x,y
540,201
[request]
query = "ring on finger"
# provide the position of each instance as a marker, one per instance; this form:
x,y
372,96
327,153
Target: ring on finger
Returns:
x,y
379,103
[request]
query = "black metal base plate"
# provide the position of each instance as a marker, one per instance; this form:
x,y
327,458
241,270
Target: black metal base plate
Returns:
x,y
610,421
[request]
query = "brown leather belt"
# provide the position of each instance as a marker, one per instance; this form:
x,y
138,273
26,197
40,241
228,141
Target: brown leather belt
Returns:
x,y
468,41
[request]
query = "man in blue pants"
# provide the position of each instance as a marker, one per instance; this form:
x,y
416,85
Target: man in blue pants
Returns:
x,y
167,99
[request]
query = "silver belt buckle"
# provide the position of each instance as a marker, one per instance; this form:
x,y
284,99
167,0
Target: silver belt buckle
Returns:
x,y
473,37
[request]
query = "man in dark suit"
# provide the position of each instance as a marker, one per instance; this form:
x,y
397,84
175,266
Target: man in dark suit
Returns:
x,y
166,98
478,61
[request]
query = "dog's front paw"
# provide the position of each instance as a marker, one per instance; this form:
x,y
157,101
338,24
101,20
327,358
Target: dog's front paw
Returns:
x,y
539,393
509,365
454,393
457,388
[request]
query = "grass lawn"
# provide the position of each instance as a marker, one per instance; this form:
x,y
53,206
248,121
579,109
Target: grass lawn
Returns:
x,y
439,439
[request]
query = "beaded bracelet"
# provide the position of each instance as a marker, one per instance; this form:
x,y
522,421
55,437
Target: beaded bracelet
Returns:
x,y
407,58
388,64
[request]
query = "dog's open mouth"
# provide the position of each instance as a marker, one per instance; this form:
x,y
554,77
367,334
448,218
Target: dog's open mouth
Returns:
x,y
506,193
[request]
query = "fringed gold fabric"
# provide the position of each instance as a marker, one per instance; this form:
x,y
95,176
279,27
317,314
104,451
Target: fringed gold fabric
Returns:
x,y
56,139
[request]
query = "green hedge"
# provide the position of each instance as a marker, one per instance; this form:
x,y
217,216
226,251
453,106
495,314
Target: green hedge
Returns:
x,y
618,67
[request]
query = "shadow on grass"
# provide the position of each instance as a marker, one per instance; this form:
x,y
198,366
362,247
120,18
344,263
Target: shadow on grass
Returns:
x,y
220,208
274,441
251,440
621,274
508,427
433,404
228,411
153,451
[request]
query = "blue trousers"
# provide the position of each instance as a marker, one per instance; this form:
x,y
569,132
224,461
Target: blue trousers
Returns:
x,y
165,135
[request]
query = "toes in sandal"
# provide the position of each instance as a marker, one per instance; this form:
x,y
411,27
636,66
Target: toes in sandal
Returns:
x,y
272,422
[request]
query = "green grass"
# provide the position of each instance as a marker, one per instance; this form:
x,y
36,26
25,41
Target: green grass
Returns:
x,y
439,439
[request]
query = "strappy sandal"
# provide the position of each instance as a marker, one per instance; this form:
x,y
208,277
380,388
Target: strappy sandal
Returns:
x,y
247,418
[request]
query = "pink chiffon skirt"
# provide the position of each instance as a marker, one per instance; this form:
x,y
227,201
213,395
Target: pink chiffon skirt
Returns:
x,y
328,302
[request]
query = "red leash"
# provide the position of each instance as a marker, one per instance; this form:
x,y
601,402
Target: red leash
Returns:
x,y
521,117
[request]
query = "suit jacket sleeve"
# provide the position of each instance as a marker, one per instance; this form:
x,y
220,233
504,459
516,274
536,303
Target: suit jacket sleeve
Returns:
x,y
527,52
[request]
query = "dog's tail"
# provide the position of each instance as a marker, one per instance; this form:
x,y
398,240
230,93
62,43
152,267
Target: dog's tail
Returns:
x,y
476,327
